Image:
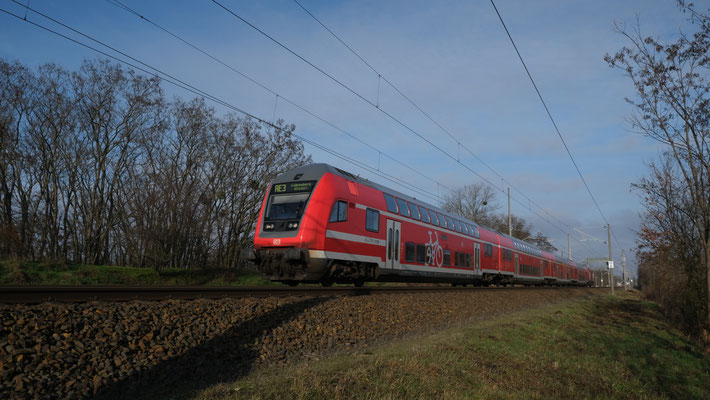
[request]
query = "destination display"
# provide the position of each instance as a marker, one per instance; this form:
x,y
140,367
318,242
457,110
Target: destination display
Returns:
x,y
293,187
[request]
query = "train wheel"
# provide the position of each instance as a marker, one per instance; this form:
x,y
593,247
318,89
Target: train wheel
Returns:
x,y
359,282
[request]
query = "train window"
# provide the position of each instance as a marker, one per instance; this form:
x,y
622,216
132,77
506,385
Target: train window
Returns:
x,y
396,245
468,260
340,212
409,250
372,220
456,258
434,218
403,209
447,257
425,214
467,229
421,253
449,222
442,221
488,250
391,203
415,212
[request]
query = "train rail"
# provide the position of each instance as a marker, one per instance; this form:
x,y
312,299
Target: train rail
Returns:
x,y
76,294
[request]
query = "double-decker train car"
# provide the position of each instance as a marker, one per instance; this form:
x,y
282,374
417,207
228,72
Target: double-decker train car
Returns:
x,y
321,224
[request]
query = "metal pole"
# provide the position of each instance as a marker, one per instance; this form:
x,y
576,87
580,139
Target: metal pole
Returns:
x,y
611,272
569,248
510,219
623,264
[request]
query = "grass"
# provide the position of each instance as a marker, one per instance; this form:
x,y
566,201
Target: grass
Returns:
x,y
13,272
605,348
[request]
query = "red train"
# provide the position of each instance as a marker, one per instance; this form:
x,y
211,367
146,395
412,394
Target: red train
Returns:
x,y
322,224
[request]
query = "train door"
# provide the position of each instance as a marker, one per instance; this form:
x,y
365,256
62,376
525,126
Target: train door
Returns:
x,y
517,265
393,239
477,257
542,268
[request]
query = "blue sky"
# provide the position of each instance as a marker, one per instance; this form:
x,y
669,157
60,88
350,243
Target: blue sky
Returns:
x,y
451,57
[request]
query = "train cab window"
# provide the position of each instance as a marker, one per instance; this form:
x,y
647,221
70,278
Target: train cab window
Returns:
x,y
447,257
425,215
340,212
450,222
403,209
372,220
409,250
415,212
421,253
391,204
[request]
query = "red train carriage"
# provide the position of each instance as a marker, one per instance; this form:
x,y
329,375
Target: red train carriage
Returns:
x,y
322,224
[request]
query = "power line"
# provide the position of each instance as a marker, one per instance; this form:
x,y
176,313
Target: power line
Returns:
x,y
121,5
185,86
554,124
124,7
398,121
175,81
415,105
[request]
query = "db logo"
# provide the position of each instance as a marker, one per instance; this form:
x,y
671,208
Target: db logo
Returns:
x,y
277,242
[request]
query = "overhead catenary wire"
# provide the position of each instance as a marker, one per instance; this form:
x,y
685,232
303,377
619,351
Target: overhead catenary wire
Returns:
x,y
192,89
460,145
261,85
554,124
392,117
184,85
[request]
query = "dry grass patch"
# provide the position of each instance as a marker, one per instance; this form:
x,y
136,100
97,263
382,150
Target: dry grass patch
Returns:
x,y
605,347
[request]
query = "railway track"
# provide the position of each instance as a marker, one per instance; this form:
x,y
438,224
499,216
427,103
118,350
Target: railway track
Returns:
x,y
76,294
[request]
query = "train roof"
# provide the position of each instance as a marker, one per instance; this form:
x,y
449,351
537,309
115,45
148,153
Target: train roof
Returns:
x,y
316,171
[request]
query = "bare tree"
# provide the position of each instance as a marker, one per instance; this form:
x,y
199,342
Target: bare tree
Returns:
x,y
114,108
673,107
476,202
96,167
670,248
521,229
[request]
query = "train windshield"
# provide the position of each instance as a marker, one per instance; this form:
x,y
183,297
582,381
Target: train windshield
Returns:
x,y
287,206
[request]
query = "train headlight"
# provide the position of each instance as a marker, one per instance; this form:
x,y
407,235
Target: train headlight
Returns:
x,y
292,225
269,227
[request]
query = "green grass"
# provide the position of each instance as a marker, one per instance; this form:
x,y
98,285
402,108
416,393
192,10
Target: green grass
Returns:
x,y
604,348
47,273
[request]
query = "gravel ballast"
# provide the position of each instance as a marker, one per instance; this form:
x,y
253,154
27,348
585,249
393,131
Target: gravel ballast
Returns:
x,y
150,349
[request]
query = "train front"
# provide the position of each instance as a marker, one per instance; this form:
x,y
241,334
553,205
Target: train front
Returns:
x,y
290,232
